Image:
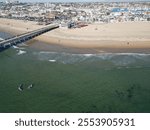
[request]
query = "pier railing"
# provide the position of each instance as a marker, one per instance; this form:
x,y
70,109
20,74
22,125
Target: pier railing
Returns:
x,y
15,40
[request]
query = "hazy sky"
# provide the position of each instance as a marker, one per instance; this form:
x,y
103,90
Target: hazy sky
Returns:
x,y
76,0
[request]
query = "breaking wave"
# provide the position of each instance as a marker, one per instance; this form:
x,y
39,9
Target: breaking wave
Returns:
x,y
52,60
1,39
20,52
120,59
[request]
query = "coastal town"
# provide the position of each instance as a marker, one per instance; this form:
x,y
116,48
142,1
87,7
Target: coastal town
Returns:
x,y
75,15
83,57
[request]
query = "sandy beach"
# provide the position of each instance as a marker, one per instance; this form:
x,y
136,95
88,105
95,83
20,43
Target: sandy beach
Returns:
x,y
113,35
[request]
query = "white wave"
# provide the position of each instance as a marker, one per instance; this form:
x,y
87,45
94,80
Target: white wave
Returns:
x,y
133,54
98,54
15,47
52,60
21,52
1,39
122,59
87,55
47,52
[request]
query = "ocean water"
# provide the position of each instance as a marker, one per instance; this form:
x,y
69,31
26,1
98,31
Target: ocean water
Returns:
x,y
73,82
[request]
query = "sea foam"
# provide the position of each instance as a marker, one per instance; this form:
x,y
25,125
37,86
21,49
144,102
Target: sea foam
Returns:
x,y
20,52
122,59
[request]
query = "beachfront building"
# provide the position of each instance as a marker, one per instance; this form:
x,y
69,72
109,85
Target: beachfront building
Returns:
x,y
94,12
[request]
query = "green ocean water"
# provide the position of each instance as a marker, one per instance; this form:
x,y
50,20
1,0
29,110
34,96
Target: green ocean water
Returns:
x,y
65,82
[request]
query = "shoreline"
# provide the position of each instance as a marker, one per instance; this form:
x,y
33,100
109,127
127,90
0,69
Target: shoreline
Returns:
x,y
42,46
108,36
